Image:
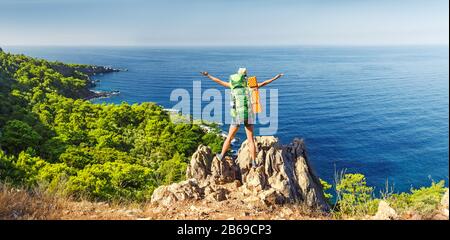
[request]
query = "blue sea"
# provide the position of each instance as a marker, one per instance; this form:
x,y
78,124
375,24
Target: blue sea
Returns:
x,y
380,111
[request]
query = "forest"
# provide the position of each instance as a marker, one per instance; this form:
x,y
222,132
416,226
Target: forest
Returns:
x,y
51,137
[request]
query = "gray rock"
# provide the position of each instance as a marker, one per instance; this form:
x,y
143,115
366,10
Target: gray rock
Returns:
x,y
182,191
256,179
283,175
444,201
272,197
444,206
385,212
200,165
225,170
287,170
219,194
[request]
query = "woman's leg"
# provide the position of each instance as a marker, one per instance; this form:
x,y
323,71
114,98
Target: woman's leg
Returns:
x,y
251,143
226,145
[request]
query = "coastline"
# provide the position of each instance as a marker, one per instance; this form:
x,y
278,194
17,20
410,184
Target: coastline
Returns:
x,y
91,70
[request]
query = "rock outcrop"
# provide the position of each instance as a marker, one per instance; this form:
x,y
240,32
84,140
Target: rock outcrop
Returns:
x,y
200,166
444,201
186,190
385,212
444,206
283,175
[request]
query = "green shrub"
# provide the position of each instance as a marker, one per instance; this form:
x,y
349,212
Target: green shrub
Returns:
x,y
17,136
212,140
52,149
52,177
76,157
112,181
326,187
424,200
28,168
172,171
354,196
8,170
401,202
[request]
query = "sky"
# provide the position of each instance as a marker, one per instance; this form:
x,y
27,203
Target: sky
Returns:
x,y
223,22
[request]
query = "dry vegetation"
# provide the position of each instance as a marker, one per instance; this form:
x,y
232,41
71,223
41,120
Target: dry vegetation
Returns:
x,y
34,204
21,204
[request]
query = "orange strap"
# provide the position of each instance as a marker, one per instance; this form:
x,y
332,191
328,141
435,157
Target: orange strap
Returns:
x,y
255,100
253,84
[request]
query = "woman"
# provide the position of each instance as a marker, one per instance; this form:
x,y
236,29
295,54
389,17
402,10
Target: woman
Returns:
x,y
241,109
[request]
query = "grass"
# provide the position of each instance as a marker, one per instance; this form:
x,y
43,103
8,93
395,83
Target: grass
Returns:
x,y
28,204
38,204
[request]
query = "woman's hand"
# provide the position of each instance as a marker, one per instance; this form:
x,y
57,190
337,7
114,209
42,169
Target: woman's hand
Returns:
x,y
279,75
270,80
225,84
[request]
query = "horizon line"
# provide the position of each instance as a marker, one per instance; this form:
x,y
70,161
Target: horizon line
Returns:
x,y
223,45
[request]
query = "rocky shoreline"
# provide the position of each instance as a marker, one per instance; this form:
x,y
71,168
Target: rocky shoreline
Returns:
x,y
89,70
93,71
70,70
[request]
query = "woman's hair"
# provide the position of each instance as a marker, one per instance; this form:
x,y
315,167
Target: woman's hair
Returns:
x,y
242,71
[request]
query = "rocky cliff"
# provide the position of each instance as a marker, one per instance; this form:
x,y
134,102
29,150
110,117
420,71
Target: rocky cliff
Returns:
x,y
283,176
90,70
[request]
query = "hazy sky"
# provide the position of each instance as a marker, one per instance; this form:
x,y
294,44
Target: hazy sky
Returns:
x,y
223,22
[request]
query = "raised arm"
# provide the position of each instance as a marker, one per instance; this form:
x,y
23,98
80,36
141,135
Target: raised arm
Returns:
x,y
225,84
270,80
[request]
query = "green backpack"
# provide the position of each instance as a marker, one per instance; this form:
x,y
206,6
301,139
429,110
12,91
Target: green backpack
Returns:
x,y
240,97
238,81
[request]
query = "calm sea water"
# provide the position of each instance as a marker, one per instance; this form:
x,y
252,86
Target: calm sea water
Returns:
x,y
380,111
